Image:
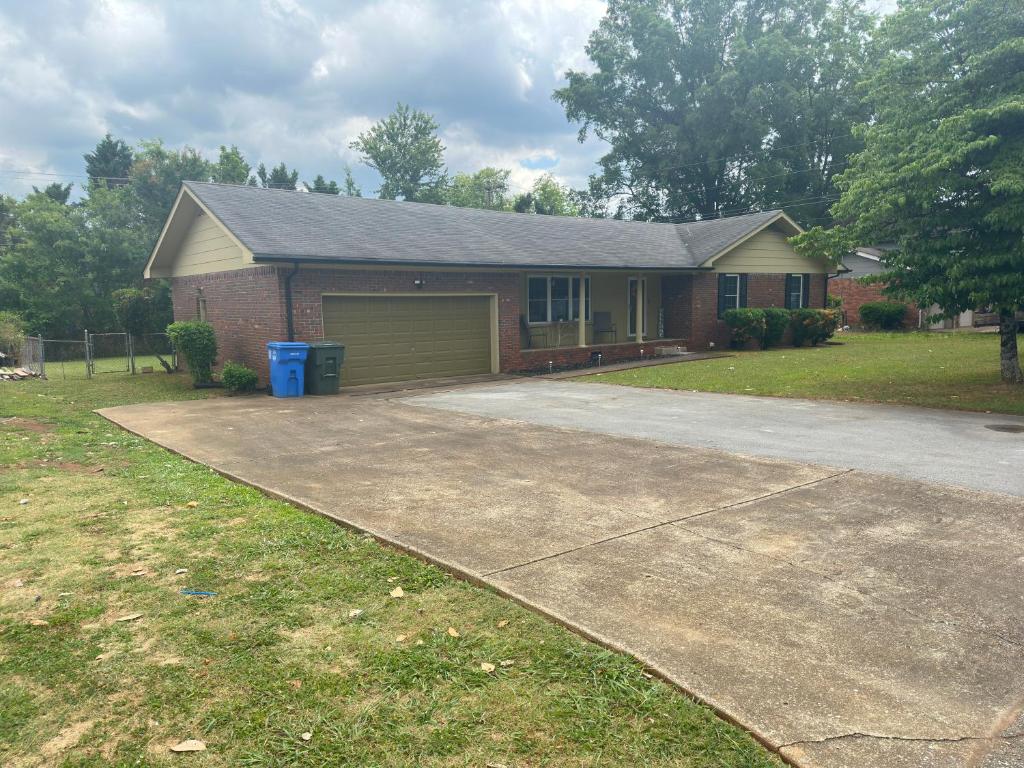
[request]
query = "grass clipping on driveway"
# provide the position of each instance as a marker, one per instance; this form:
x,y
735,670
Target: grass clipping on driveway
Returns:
x,y
935,370
320,647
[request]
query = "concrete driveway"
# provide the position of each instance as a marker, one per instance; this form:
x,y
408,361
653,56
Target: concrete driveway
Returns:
x,y
846,617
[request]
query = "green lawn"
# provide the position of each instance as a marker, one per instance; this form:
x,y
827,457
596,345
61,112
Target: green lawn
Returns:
x,y
279,652
937,370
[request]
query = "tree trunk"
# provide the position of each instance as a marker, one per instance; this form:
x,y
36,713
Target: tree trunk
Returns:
x,y
1009,361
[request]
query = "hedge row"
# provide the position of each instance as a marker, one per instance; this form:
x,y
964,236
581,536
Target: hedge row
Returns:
x,y
767,326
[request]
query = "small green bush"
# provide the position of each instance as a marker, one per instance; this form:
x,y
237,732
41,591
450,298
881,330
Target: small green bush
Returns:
x,y
833,302
883,315
196,342
776,321
813,325
746,325
238,378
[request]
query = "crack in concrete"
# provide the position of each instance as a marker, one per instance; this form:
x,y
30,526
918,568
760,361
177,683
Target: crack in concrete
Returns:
x,y
890,737
665,523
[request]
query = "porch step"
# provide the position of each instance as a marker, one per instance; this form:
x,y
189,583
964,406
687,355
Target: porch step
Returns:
x,y
670,351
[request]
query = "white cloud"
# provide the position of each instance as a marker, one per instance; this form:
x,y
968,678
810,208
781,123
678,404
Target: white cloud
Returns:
x,y
292,80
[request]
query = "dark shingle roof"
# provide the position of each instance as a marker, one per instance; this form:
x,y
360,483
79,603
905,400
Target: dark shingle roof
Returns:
x,y
283,224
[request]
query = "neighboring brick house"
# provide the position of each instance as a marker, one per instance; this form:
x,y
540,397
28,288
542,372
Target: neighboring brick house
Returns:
x,y
854,292
417,291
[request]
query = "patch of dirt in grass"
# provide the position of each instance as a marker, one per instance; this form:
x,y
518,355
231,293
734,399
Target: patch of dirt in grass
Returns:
x,y
26,425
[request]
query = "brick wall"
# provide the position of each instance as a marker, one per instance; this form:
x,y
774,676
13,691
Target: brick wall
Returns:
x,y
763,290
244,306
309,285
854,294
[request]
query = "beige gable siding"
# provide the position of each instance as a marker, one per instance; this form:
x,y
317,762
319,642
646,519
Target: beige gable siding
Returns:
x,y
767,251
206,247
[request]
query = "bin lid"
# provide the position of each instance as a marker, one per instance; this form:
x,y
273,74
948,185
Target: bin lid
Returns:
x,y
287,345
326,345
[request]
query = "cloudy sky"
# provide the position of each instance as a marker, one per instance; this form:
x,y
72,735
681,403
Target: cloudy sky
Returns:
x,y
292,80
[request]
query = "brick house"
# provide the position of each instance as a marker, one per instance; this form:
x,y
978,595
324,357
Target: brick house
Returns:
x,y
416,290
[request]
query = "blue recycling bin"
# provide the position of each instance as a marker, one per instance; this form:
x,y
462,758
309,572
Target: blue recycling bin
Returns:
x,y
287,366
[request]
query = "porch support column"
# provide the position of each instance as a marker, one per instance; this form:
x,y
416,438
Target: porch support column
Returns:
x,y
639,320
582,340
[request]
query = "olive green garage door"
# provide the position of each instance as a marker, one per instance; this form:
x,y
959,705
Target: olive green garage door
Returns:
x,y
396,338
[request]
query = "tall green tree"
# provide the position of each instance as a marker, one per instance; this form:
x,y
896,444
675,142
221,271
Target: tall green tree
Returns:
x,y
55,191
487,188
279,177
231,167
63,262
942,170
548,198
405,150
323,186
713,107
351,188
109,163
156,176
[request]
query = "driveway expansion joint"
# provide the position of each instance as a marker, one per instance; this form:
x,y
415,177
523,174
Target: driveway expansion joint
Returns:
x,y
665,523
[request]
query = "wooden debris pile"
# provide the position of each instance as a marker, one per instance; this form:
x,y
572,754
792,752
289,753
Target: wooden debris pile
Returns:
x,y
17,374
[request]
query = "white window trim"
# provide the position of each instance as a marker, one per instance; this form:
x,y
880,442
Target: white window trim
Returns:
x,y
547,279
631,319
739,290
800,293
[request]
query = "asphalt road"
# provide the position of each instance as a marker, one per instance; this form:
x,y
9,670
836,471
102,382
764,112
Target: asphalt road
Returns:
x,y
950,447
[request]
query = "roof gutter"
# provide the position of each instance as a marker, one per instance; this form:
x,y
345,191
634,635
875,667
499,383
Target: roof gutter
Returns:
x,y
288,300
296,260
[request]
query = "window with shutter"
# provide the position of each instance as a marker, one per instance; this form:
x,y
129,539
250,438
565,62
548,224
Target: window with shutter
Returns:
x,y
731,292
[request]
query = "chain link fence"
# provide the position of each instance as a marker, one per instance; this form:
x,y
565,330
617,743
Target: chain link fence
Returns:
x,y
98,353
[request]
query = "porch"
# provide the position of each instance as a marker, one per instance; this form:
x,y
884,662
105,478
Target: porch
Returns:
x,y
615,305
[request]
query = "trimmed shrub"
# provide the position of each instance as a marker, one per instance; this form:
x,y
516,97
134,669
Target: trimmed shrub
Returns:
x,y
813,325
196,342
833,302
746,325
776,321
238,378
883,315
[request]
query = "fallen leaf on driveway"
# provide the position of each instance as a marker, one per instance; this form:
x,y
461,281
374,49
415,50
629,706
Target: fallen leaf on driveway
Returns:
x,y
397,592
189,745
355,612
453,632
487,667
130,617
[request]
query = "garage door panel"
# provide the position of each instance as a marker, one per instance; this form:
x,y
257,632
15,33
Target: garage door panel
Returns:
x,y
394,338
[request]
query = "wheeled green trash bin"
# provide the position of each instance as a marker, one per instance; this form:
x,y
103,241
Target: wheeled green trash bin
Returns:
x,y
323,367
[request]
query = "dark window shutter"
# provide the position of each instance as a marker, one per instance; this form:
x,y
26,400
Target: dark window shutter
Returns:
x,y
807,291
743,290
789,292
721,295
